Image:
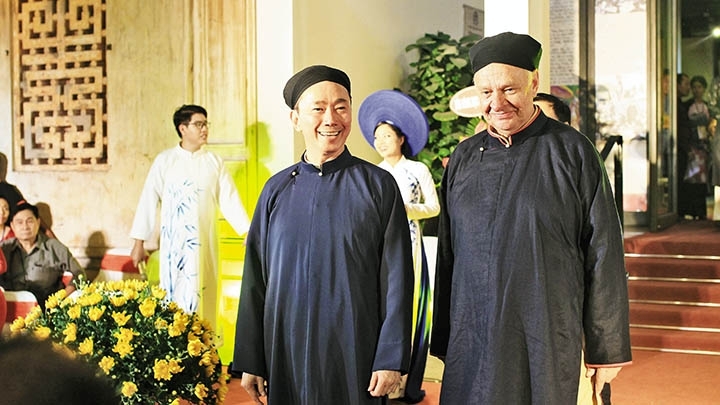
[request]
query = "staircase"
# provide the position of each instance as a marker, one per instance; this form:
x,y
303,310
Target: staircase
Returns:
x,y
674,289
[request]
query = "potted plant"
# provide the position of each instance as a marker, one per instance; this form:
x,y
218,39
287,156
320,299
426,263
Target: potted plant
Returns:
x,y
441,70
154,352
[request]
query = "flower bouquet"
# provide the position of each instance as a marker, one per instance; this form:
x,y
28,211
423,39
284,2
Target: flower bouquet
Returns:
x,y
153,351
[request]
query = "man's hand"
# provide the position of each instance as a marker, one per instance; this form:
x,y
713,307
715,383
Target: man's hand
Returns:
x,y
599,377
138,252
255,386
383,382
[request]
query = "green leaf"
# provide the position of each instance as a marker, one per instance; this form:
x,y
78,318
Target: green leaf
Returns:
x,y
445,116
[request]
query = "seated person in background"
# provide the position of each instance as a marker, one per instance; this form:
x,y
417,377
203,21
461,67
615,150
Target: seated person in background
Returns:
x,y
35,262
34,372
553,107
7,232
13,196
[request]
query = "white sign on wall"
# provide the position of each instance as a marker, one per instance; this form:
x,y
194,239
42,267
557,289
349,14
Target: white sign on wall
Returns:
x,y
473,21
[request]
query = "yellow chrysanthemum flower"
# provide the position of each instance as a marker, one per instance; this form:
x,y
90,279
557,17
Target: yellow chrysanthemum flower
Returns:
x,y
70,333
17,325
74,312
201,391
88,300
33,315
174,330
147,308
209,370
96,313
118,300
106,364
158,292
42,332
122,348
206,359
195,347
174,366
114,285
161,370
130,293
175,401
121,318
86,346
129,388
125,334
161,324
55,299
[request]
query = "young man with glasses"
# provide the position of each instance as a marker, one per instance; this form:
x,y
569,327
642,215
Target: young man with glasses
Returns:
x,y
189,183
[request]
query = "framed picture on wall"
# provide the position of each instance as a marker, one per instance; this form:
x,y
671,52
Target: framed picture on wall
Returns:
x,y
473,21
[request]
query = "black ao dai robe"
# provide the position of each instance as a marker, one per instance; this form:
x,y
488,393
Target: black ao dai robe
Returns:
x,y
327,286
530,260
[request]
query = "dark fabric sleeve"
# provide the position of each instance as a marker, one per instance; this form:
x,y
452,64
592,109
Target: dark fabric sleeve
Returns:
x,y
249,351
396,283
443,278
606,319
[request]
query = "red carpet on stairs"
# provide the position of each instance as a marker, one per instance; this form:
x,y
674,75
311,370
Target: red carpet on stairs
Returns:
x,y
674,288
697,238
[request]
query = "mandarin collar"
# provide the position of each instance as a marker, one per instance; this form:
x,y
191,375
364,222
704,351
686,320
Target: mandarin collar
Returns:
x,y
342,161
530,130
187,153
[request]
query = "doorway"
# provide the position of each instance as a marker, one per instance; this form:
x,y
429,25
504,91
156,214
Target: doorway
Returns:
x,y
699,45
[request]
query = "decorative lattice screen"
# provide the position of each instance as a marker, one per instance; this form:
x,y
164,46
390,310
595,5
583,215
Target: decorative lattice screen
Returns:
x,y
59,81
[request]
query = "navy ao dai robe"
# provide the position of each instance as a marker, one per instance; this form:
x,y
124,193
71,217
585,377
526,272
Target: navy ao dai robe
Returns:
x,y
328,281
530,259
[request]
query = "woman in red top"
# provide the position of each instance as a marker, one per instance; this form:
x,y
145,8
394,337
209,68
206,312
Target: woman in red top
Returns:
x,y
7,233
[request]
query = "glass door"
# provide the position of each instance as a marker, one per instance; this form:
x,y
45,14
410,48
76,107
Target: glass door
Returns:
x,y
622,101
662,151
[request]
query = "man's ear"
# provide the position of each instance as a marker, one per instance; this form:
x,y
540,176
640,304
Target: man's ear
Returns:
x,y
294,119
535,83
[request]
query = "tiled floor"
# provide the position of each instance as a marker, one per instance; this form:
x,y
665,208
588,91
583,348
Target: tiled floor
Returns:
x,y
654,378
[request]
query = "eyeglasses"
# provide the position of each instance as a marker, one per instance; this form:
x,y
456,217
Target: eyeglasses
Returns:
x,y
200,124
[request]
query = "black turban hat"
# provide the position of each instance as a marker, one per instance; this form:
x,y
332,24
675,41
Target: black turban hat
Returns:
x,y
309,76
509,48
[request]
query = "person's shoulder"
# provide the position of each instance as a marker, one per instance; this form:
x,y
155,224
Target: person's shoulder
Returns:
x,y
564,132
166,154
8,244
371,169
281,177
414,166
415,163
213,158
51,243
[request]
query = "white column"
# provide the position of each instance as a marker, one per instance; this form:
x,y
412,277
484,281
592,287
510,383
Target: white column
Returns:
x,y
275,65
